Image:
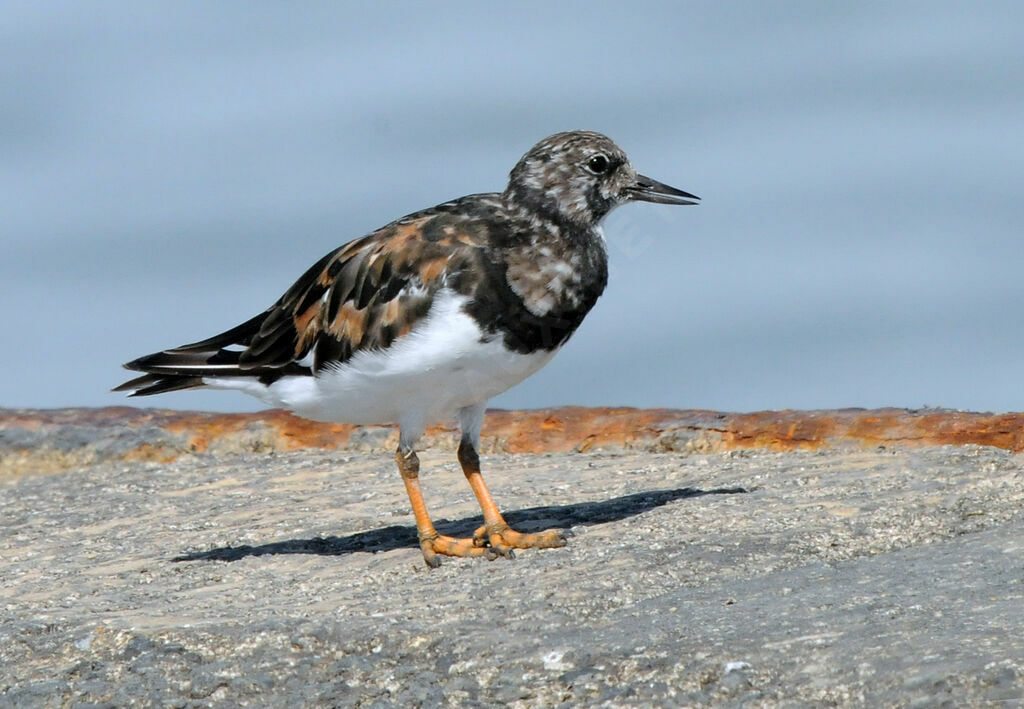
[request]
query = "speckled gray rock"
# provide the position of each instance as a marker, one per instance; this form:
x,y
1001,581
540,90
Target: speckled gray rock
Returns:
x,y
884,577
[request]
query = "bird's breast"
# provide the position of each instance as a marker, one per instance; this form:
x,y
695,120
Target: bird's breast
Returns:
x,y
539,293
550,280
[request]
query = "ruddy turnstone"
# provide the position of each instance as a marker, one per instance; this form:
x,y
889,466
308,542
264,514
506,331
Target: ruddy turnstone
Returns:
x,y
432,315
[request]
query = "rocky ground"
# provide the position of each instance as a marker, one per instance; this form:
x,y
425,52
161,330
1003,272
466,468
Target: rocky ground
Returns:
x,y
846,575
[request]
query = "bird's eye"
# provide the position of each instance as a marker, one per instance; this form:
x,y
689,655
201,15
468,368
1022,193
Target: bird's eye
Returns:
x,y
598,164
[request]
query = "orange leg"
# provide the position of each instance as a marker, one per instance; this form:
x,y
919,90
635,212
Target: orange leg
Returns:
x,y
431,542
495,531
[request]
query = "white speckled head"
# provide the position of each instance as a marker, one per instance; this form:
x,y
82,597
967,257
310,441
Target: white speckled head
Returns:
x,y
579,177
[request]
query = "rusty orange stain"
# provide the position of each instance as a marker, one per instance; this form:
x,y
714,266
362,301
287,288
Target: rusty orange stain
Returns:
x,y
570,428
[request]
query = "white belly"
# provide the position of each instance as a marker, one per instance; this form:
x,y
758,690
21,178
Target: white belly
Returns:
x,y
442,365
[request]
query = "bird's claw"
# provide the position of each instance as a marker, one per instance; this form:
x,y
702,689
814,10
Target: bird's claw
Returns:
x,y
435,546
503,539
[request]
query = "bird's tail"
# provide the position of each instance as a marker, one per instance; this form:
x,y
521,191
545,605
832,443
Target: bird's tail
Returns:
x,y
186,367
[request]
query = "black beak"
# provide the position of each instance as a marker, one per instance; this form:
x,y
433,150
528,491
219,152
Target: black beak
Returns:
x,y
647,190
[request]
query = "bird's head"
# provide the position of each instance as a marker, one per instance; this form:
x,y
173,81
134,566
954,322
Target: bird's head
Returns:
x,y
580,176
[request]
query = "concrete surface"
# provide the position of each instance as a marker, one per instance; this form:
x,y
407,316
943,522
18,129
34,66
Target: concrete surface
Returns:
x,y
848,576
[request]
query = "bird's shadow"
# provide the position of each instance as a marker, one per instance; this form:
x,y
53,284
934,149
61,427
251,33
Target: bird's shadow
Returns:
x,y
400,536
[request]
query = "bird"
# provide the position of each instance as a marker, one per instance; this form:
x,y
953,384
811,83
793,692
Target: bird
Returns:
x,y
432,315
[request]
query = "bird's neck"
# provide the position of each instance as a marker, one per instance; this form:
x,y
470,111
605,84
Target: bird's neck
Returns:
x,y
572,212
533,225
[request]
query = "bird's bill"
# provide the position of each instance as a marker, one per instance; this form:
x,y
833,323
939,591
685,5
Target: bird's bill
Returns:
x,y
647,190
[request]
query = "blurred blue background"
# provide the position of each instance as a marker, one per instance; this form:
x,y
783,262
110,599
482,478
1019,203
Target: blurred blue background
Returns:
x,y
168,169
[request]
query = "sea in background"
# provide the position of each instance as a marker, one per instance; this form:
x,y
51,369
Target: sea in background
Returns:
x,y
168,169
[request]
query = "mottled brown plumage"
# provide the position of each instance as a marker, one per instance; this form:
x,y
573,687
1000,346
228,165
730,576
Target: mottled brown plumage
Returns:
x,y
367,293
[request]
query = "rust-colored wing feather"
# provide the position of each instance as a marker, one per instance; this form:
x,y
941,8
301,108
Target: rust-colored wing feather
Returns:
x,y
363,296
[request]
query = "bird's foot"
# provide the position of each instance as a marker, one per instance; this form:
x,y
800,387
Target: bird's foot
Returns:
x,y
503,539
438,545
